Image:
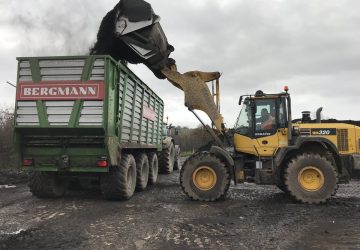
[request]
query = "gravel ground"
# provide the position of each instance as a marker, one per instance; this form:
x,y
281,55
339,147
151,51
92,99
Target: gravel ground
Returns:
x,y
252,217
12,176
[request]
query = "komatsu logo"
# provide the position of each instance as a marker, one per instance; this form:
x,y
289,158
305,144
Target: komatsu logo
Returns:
x,y
62,90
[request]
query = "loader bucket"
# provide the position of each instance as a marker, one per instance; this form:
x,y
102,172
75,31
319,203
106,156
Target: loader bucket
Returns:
x,y
197,93
131,31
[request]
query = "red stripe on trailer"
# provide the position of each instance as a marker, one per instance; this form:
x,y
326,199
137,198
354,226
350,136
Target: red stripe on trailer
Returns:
x,y
60,90
148,113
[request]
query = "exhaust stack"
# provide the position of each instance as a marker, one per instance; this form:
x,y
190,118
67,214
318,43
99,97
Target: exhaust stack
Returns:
x,y
318,115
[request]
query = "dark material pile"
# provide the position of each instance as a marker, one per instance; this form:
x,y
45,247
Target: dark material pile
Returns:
x,y
131,32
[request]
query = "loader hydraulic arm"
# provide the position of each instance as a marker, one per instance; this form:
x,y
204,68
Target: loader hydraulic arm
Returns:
x,y
197,93
131,32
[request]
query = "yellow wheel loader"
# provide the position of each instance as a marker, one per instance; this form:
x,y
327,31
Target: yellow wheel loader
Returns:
x,y
305,159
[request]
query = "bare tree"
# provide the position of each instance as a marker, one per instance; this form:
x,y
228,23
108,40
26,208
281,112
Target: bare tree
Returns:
x,y
7,148
192,139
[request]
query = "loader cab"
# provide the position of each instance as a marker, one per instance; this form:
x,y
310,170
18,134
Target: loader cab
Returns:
x,y
263,123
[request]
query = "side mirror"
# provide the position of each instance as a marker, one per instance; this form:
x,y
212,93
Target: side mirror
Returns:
x,y
240,100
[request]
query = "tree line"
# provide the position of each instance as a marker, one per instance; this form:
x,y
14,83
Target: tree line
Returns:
x,y
191,139
7,146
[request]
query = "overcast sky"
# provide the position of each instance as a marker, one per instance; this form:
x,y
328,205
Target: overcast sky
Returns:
x,y
312,46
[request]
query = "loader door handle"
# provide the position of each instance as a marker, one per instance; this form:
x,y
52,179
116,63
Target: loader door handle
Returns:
x,y
265,142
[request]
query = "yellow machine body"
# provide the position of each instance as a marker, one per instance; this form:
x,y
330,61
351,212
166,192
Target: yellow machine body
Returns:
x,y
345,137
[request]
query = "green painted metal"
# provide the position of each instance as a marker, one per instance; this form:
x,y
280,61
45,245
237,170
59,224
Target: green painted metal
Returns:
x,y
121,115
35,69
75,114
110,101
42,114
53,141
89,63
112,146
133,112
52,168
50,151
159,130
141,120
152,126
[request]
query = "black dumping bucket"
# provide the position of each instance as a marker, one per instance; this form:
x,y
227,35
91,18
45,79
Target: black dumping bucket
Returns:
x,y
132,32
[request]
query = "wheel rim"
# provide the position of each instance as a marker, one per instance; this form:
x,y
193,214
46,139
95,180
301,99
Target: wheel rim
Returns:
x,y
204,178
311,178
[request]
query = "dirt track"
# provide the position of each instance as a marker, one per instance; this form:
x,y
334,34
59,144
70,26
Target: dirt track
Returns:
x,y
252,217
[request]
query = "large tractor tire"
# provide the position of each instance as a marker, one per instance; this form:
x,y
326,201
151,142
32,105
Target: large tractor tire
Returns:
x,y
166,159
142,168
47,185
311,178
282,185
283,188
153,168
120,182
204,177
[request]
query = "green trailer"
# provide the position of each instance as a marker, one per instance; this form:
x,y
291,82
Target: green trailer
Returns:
x,y
86,117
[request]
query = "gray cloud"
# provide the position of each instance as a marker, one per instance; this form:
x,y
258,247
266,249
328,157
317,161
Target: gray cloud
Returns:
x,y
312,46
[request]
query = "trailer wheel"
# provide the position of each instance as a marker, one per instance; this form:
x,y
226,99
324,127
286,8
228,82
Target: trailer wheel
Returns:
x,y
47,185
120,182
153,168
142,168
166,159
204,177
311,178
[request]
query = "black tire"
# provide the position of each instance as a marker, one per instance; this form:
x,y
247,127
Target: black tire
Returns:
x,y
120,182
210,162
282,185
47,185
166,159
324,170
142,169
153,168
283,188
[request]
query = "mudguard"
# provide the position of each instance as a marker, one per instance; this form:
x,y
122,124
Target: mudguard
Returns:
x,y
167,142
225,157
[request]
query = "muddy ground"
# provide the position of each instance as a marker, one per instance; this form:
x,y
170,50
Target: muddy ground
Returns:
x,y
252,217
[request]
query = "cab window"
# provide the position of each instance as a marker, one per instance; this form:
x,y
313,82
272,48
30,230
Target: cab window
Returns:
x,y
282,114
244,122
265,117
